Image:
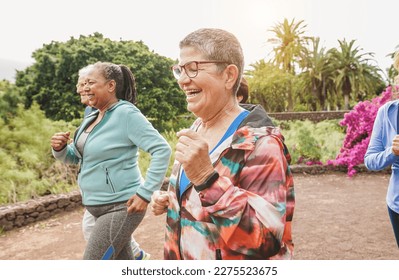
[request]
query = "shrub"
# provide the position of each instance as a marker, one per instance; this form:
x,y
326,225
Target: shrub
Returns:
x,y
25,156
312,143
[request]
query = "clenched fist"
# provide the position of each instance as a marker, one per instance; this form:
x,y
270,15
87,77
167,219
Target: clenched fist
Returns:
x,y
60,140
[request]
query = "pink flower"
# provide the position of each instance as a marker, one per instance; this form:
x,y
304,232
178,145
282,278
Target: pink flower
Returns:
x,y
359,125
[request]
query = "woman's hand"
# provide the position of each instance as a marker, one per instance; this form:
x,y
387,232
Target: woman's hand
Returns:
x,y
136,204
60,140
395,145
159,202
192,152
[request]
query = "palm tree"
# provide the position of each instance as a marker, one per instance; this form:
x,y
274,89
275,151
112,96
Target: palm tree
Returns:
x,y
371,82
289,48
315,74
352,72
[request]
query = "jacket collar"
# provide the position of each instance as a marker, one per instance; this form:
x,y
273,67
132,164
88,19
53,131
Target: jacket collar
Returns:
x,y
256,124
93,115
257,116
250,129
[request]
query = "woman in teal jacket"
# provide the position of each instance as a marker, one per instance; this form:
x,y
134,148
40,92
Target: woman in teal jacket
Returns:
x,y
106,146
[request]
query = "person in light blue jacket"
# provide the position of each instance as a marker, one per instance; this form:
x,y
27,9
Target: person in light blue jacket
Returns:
x,y
89,220
383,151
106,146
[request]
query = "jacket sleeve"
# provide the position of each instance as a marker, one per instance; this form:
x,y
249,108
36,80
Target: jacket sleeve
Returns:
x,y
255,215
147,138
379,154
67,155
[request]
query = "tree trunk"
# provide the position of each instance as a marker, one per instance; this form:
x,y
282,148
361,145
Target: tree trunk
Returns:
x,y
290,100
346,101
323,96
346,91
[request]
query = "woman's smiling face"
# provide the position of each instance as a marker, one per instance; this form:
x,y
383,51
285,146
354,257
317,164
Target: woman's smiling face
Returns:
x,y
97,89
205,93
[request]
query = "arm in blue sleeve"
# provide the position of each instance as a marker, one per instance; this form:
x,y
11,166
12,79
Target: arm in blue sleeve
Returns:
x,y
378,157
67,155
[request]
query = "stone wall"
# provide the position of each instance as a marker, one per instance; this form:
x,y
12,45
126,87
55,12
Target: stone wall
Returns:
x,y
312,116
321,169
21,214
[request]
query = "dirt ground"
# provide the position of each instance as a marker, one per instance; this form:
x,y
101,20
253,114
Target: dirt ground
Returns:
x,y
336,218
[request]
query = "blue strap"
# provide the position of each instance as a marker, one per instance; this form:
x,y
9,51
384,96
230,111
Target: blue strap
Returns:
x,y
108,254
232,128
184,181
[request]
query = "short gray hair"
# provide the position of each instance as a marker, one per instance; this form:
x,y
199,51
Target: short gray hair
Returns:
x,y
217,44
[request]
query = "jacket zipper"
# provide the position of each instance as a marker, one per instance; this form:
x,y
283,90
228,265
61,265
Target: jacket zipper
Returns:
x,y
108,180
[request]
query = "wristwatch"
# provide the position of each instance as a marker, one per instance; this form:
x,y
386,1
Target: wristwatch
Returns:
x,y
208,182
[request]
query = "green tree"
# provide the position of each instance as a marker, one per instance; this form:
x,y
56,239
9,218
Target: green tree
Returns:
x,y
289,49
10,97
51,80
353,74
268,84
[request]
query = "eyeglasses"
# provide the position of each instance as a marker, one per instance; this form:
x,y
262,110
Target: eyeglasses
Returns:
x,y
191,68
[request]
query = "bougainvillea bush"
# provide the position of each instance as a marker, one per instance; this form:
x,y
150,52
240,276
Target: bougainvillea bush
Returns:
x,y
359,125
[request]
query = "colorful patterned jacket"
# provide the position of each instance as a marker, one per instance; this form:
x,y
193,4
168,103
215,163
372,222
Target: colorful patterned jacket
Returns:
x,y
247,212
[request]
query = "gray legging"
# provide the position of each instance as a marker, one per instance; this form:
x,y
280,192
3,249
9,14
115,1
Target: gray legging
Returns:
x,y
111,235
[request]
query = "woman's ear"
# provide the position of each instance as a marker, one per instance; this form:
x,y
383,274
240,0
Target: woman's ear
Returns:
x,y
112,86
231,72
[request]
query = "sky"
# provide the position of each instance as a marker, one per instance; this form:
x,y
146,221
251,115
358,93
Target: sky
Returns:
x,y
26,25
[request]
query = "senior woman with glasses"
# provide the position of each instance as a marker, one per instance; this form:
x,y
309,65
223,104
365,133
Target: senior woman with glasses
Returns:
x,y
231,191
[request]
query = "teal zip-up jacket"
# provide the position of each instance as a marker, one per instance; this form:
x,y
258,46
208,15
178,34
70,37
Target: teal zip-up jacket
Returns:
x,y
109,170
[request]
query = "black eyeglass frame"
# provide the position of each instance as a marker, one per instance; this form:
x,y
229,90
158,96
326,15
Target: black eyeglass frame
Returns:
x,y
180,67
